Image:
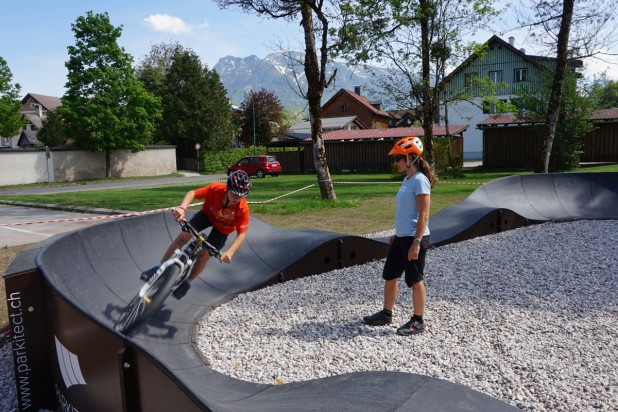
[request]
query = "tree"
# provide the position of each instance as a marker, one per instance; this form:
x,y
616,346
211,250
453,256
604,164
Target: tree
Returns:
x,y
261,110
195,106
314,19
542,165
11,119
552,23
417,40
573,118
153,67
105,107
53,131
605,97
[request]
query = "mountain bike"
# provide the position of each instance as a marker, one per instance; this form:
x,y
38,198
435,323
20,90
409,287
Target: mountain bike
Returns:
x,y
165,280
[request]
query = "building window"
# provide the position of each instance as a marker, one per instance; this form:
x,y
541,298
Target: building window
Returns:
x,y
495,76
521,75
344,108
491,108
471,79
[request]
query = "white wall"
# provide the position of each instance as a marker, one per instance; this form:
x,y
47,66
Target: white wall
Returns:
x,y
464,112
18,166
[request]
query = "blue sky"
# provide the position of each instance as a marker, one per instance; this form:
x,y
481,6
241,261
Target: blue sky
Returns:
x,y
34,35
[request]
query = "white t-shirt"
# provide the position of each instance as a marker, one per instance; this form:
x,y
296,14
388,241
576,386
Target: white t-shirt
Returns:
x,y
406,211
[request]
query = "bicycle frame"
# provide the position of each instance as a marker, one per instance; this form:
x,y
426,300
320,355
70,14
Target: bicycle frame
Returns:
x,y
153,293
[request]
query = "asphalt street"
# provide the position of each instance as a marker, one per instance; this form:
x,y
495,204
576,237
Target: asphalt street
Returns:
x,y
32,225
21,224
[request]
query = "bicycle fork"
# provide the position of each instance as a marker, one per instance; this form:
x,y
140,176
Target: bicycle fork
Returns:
x,y
174,260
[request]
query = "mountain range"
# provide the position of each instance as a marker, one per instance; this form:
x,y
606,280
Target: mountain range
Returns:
x,y
275,73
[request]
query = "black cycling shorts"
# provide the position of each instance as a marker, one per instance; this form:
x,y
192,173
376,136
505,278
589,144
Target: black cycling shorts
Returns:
x,y
397,260
200,222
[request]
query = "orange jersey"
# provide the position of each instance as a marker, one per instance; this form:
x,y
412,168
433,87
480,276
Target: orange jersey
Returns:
x,y
232,218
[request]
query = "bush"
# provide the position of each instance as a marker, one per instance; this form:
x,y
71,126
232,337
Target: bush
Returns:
x,y
444,156
217,162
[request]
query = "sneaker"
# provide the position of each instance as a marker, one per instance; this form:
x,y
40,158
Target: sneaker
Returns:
x,y
148,274
378,319
411,328
182,289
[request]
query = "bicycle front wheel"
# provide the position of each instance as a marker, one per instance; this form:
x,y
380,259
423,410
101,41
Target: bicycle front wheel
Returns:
x,y
141,307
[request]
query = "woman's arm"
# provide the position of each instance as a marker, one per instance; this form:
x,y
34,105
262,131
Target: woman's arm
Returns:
x,y
423,202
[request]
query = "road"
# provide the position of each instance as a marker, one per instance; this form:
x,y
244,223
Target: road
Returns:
x,y
22,225
22,231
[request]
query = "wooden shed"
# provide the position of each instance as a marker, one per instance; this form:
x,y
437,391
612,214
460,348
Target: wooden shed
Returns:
x,y
515,142
356,150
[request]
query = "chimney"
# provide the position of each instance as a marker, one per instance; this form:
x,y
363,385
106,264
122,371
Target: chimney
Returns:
x,y
357,90
512,41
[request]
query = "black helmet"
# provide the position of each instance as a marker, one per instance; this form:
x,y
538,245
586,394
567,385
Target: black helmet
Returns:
x,y
238,182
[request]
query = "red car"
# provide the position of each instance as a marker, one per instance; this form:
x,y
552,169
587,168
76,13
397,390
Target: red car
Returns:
x,y
259,166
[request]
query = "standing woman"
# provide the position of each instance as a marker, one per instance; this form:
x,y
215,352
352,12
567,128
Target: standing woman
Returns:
x,y
408,246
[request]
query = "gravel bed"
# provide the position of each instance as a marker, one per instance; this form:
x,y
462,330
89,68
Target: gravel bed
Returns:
x,y
529,316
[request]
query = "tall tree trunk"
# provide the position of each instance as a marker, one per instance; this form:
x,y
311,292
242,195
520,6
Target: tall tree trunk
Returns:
x,y
315,89
553,110
428,106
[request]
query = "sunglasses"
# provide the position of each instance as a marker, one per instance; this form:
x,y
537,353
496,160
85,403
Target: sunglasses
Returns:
x,y
399,158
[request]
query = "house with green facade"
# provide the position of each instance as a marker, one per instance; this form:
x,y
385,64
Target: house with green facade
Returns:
x,y
468,101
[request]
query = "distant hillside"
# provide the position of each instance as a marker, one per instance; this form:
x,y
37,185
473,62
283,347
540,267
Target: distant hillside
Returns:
x,y
240,75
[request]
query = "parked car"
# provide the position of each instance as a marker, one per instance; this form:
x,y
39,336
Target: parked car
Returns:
x,y
259,166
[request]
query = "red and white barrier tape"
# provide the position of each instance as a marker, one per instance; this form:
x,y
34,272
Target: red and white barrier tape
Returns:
x,y
284,195
82,219
104,217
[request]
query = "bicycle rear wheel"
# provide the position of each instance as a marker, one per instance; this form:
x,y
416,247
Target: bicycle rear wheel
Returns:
x,y
140,308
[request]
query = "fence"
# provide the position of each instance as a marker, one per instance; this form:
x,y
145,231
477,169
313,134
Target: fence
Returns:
x,y
347,156
520,146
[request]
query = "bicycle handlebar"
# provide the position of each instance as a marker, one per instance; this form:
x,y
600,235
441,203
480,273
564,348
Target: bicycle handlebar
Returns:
x,y
188,227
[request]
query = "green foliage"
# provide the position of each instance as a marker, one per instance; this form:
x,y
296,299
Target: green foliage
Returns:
x,y
52,133
261,110
11,119
153,67
105,107
573,119
605,97
218,161
195,105
445,157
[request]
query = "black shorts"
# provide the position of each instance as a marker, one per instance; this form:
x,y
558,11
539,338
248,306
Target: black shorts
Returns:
x,y
397,260
200,222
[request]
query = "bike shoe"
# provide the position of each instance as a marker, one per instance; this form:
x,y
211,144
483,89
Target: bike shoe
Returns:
x,y
411,328
148,274
182,289
378,319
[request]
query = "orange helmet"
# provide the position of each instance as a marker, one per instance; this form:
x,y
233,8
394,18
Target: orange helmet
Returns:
x,y
406,146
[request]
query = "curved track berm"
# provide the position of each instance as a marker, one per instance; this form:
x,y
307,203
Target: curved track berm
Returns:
x,y
89,275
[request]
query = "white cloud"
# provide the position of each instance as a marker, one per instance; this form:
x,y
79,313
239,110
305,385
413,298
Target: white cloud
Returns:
x,y
167,24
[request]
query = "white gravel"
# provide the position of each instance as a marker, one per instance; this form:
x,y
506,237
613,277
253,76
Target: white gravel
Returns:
x,y
529,316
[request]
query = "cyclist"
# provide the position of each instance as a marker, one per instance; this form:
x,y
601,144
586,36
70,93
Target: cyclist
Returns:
x,y
225,209
408,246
